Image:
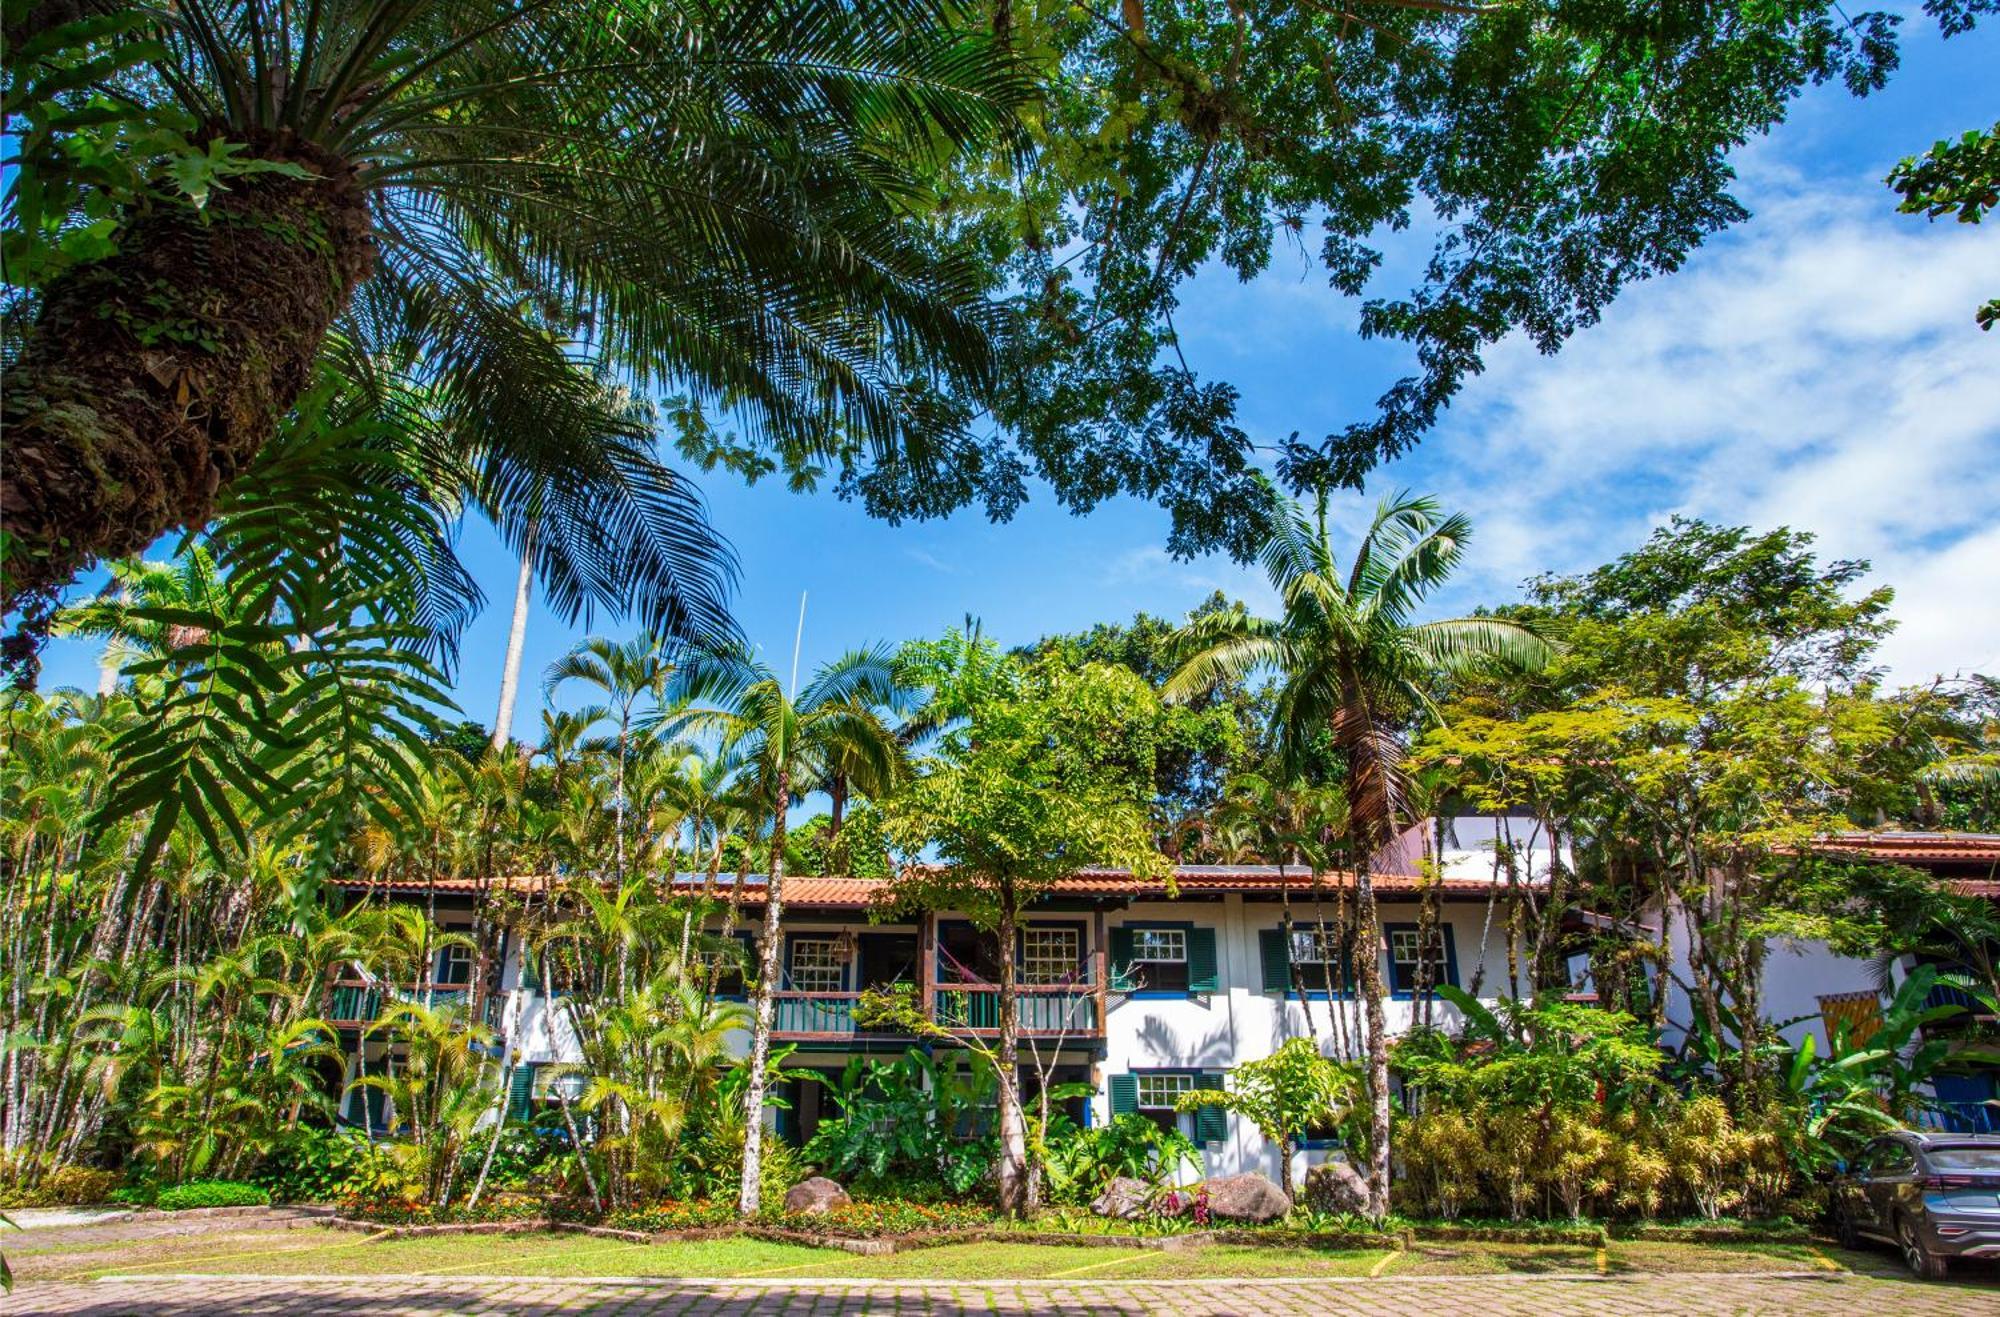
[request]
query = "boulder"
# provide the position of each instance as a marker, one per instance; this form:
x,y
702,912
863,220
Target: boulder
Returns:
x,y
814,1196
1123,1197
1247,1197
1336,1188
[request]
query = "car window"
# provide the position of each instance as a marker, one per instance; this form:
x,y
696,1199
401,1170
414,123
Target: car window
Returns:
x,y
1876,1157
1897,1159
1968,1157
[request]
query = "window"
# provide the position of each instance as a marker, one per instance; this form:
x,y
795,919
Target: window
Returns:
x,y
1162,1091
1978,1158
817,964
1051,955
1160,959
1319,957
455,965
733,965
1409,957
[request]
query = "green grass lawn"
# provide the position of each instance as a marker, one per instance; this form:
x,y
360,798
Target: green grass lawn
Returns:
x,y
319,1251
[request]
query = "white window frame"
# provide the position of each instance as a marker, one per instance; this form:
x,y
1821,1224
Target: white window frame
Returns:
x,y
1175,1083
1414,939
454,954
826,960
1318,942
1142,955
1039,966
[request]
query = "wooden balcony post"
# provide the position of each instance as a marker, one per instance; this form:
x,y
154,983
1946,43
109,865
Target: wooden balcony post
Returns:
x,y
1100,965
927,962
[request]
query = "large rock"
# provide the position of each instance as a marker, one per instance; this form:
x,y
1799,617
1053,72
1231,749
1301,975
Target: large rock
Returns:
x,y
1247,1197
811,1197
1123,1197
1336,1187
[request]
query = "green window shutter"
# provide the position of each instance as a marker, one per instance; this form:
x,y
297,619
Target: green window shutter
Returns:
x,y
520,1090
1124,1095
531,975
1276,957
1121,958
1211,1123
1202,975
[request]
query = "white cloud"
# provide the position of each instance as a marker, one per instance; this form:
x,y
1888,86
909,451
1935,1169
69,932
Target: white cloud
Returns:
x,y
1817,368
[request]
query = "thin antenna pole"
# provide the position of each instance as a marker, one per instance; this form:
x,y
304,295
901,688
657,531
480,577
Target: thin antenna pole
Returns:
x,y
798,640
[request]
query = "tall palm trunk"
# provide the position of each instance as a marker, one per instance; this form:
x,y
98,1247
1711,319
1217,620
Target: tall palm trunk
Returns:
x,y
1013,1167
750,1195
153,377
1368,938
517,640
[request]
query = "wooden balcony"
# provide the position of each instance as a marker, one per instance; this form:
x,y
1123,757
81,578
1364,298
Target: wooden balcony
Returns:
x,y
356,1003
1061,1011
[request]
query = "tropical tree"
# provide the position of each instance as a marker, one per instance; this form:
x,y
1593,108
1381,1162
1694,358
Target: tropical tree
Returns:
x,y
627,672
1285,1095
721,201
789,739
1353,664
1046,770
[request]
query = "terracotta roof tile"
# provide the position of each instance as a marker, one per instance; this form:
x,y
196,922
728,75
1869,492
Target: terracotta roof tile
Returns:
x,y
1953,848
860,893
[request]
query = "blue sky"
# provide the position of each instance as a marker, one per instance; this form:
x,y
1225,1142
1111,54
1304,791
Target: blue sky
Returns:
x,y
1817,366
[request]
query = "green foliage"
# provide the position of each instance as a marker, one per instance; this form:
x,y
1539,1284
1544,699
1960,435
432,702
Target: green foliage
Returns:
x,y
63,1186
875,1220
210,1193
313,1165
1955,177
1043,769
1285,1094
1081,1161
1540,1055
914,1123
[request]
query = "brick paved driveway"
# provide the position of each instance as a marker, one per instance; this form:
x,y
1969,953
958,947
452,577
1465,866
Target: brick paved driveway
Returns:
x,y
425,1296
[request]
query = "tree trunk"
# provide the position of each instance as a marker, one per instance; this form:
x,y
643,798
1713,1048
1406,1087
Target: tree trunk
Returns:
x,y
1013,1165
152,378
750,1194
517,639
1367,963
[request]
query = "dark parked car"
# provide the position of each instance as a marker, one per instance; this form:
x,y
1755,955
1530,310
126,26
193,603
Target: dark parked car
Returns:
x,y
1935,1196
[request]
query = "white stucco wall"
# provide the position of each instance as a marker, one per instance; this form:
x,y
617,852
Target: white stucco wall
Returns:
x,y
1241,1022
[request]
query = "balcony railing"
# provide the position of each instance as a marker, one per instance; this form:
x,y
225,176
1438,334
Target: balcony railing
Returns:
x,y
1043,1011
356,1002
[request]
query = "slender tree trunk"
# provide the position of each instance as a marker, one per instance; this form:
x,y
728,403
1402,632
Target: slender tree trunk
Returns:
x,y
1368,952
750,1194
1013,1164
517,641
152,378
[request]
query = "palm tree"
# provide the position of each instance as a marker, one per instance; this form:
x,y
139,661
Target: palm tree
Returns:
x,y
1352,663
790,739
627,672
720,199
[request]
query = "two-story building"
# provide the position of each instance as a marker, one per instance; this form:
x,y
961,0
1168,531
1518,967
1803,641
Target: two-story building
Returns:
x,y
1136,989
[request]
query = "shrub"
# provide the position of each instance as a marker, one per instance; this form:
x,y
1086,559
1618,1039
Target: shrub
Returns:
x,y
1080,1162
406,1212
65,1186
1707,1154
210,1193
695,1214
1441,1151
866,1220
526,1154
323,1166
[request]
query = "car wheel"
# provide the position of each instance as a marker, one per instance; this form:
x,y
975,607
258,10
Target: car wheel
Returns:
x,y
1921,1260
